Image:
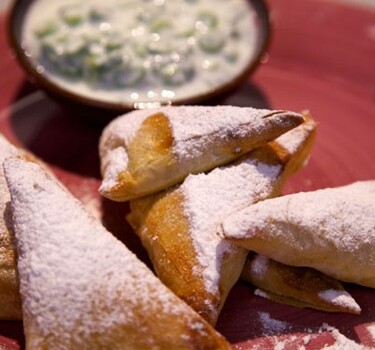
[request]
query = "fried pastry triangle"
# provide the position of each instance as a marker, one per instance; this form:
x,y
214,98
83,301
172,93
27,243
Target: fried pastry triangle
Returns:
x,y
178,227
331,230
146,151
80,287
10,302
297,286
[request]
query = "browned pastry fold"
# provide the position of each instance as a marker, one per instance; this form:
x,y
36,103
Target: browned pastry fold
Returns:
x,y
146,151
297,286
81,288
178,227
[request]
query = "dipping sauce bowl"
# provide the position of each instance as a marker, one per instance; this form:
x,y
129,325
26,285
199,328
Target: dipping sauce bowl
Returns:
x,y
119,55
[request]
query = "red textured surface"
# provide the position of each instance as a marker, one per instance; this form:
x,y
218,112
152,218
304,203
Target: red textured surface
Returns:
x,y
322,58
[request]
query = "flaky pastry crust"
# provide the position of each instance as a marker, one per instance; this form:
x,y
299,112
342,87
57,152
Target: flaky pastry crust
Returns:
x,y
331,230
166,223
145,151
297,286
81,288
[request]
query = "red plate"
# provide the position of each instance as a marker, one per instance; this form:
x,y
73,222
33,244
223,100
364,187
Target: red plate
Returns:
x,y
321,59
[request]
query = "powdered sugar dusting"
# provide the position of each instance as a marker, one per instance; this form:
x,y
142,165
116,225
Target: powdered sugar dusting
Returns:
x,y
278,336
189,122
274,329
272,326
259,265
340,298
71,268
126,126
261,293
6,150
291,140
306,339
342,342
192,127
210,197
114,142
114,161
337,217
280,345
371,329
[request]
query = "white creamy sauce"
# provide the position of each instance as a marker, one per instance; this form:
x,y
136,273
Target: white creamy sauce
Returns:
x,y
136,51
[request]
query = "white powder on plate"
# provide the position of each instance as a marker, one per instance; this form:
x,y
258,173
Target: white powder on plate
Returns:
x,y
342,342
371,330
272,326
280,345
261,293
77,280
306,339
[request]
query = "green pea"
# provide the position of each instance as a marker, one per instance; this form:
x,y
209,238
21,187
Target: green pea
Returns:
x,y
94,67
72,65
71,54
46,29
50,53
97,15
212,42
160,24
175,74
159,47
113,42
139,49
208,18
211,65
71,15
231,55
185,33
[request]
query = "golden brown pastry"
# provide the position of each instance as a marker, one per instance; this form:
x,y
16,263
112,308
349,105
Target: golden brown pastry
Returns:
x,y
146,151
81,288
10,302
297,286
178,227
331,230
295,146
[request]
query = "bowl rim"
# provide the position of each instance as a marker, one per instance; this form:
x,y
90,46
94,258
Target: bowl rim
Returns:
x,y
17,12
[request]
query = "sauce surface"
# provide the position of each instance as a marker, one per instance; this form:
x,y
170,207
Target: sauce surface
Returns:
x,y
135,51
